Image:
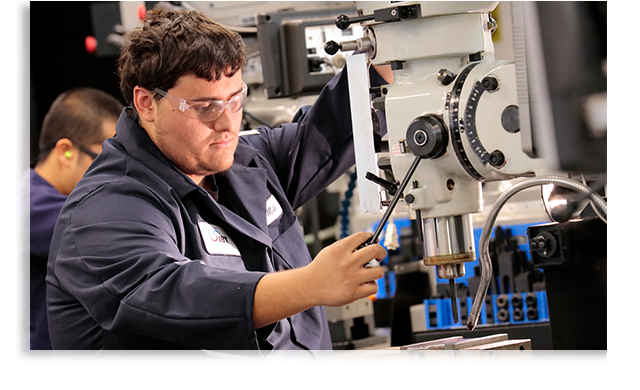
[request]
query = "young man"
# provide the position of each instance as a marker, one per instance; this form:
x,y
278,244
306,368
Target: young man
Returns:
x,y
182,234
73,130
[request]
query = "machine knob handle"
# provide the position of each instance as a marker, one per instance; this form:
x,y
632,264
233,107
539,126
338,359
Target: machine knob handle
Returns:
x,y
427,136
343,21
387,185
490,83
360,44
331,47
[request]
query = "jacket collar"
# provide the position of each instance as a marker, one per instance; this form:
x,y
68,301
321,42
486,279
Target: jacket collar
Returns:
x,y
137,143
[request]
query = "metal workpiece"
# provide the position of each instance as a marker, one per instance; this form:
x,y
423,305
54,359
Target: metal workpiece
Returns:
x,y
431,351
489,349
508,351
394,354
445,350
432,344
469,343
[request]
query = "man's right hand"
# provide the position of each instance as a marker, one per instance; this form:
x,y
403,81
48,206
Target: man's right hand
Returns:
x,y
339,275
336,277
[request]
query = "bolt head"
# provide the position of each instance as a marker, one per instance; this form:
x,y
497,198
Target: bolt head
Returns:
x,y
445,76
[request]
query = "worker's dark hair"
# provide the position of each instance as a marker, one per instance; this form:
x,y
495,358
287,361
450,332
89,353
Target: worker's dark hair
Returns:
x,y
171,44
77,114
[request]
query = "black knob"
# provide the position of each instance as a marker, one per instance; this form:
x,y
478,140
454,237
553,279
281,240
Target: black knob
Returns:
x,y
427,137
490,83
331,47
496,159
392,188
343,22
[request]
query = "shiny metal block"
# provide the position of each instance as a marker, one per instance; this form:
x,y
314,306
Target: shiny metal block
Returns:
x,y
508,351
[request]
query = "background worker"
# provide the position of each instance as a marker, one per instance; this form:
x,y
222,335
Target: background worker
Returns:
x,y
73,130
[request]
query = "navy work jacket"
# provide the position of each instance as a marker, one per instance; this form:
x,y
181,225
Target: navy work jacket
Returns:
x,y
143,258
36,206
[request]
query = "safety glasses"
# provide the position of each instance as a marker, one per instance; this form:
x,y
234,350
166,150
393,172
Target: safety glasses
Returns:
x,y
87,151
206,110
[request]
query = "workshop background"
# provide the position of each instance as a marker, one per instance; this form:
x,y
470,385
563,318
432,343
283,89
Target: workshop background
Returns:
x,y
60,60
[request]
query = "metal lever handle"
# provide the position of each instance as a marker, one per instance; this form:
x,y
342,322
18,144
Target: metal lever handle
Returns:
x,y
387,185
360,44
394,202
343,21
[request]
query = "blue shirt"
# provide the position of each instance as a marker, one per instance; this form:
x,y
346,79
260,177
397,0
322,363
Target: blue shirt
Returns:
x,y
45,203
143,258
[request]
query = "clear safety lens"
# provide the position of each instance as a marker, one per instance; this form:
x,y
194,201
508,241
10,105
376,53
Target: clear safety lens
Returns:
x,y
207,110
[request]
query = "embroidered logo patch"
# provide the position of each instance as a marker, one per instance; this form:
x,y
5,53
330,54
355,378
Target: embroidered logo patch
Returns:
x,y
217,241
274,210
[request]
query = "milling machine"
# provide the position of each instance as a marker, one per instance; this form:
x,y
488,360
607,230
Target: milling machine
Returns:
x,y
453,121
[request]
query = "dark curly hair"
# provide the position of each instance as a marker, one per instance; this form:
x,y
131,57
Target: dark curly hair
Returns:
x,y
172,44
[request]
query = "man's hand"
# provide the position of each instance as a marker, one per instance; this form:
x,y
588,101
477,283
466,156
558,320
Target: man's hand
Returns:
x,y
338,272
336,277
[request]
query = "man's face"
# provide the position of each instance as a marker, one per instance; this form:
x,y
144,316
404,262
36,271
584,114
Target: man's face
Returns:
x,y
198,148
